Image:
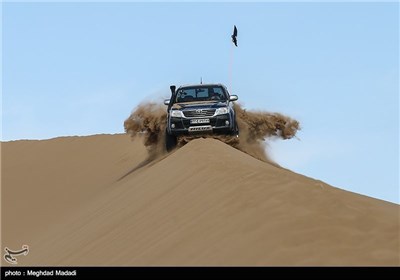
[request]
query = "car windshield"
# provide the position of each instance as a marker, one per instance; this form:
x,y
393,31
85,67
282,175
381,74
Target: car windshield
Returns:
x,y
203,93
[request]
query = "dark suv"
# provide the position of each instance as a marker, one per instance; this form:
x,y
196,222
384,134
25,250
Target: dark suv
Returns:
x,y
199,109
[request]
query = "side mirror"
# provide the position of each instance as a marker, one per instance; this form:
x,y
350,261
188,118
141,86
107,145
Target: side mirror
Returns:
x,y
233,98
166,102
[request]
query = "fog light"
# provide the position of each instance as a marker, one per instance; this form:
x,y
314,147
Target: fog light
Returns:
x,y
173,125
226,122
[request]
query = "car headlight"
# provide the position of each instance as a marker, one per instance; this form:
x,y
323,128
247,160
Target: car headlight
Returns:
x,y
176,113
221,111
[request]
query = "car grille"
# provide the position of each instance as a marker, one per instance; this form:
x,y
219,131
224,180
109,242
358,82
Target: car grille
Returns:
x,y
199,113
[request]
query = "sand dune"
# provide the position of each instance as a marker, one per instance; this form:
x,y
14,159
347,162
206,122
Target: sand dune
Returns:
x,y
81,201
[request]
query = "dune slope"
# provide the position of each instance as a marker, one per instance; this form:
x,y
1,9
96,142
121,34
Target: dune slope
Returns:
x,y
80,201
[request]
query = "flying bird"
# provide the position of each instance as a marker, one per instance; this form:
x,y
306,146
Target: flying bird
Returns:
x,y
234,35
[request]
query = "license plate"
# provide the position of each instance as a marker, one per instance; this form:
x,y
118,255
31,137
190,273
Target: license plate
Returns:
x,y
195,121
200,128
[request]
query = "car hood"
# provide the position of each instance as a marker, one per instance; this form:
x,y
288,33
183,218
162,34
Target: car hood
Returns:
x,y
199,105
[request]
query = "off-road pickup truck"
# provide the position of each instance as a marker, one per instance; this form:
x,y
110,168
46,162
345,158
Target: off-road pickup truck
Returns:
x,y
200,109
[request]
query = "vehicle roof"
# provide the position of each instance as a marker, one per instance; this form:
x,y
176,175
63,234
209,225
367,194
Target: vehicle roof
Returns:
x,y
201,85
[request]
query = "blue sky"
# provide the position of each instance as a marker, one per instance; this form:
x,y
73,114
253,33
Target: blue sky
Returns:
x,y
80,69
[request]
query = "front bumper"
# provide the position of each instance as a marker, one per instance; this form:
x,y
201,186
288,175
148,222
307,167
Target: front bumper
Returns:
x,y
221,124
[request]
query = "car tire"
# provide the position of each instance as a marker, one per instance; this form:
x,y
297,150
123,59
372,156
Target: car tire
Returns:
x,y
170,141
235,131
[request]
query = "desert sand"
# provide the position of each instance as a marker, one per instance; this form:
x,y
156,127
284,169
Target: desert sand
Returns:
x,y
91,201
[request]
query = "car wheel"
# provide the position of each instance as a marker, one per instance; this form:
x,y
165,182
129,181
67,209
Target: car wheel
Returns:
x,y
170,141
235,131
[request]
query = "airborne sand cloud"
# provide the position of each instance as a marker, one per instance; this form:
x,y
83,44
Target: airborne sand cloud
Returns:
x,y
148,119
